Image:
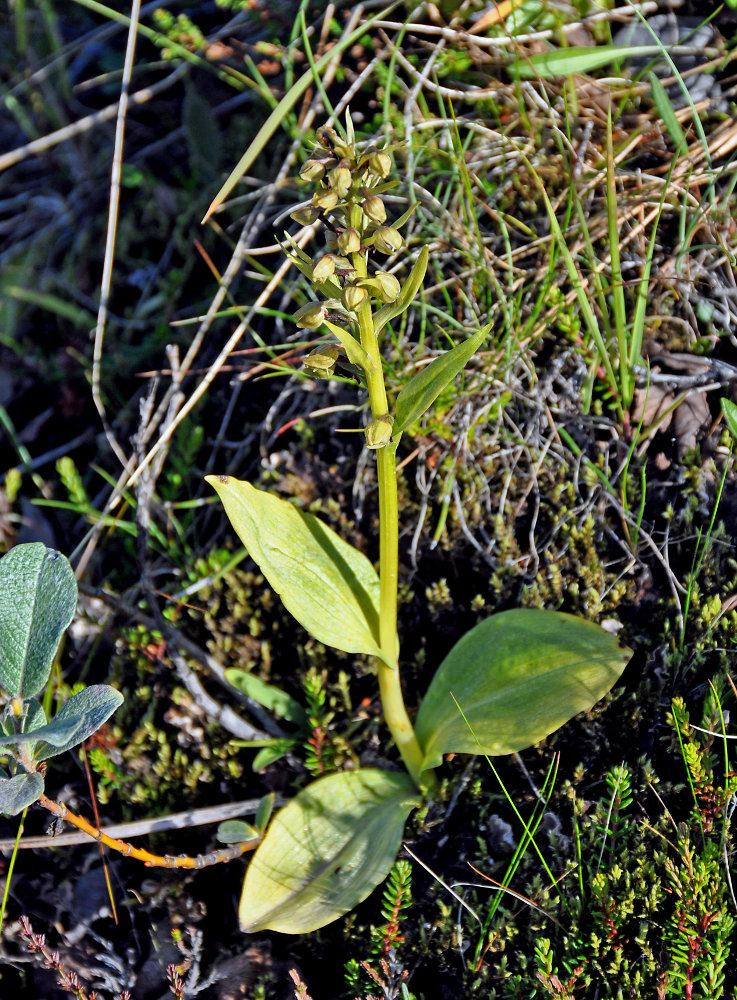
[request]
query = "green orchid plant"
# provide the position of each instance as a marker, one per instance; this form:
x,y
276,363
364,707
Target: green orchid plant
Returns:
x,y
509,682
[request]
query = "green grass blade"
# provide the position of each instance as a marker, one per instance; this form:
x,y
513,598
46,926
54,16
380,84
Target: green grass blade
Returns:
x,y
283,108
626,385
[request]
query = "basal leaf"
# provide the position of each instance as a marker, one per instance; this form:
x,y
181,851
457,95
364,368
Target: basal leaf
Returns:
x,y
326,851
79,718
406,296
424,388
38,597
329,586
19,791
517,676
271,697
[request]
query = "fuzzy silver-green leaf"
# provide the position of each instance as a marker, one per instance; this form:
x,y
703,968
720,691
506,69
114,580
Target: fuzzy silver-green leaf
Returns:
x,y
38,598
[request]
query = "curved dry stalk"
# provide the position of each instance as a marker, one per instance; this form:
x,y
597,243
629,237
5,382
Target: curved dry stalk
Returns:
x,y
150,860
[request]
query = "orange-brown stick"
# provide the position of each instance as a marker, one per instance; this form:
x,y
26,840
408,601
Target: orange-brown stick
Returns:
x,y
150,860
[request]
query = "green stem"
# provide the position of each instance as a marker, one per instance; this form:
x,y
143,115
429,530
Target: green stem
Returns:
x,y
390,688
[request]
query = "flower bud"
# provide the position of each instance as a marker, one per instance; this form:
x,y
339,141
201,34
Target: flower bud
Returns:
x,y
324,269
312,170
354,297
387,239
349,241
340,181
310,315
388,284
380,164
322,361
304,216
379,432
326,136
374,208
326,200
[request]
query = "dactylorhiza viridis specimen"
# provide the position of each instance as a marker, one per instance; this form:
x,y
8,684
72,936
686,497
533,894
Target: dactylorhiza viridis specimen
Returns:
x,y
509,682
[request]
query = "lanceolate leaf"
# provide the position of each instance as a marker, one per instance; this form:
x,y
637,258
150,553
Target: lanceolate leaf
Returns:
x,y
326,851
82,715
517,677
38,597
424,388
329,586
20,791
407,295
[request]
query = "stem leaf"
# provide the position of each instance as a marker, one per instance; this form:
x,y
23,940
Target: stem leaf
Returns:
x,y
516,677
38,598
328,585
326,850
424,388
406,296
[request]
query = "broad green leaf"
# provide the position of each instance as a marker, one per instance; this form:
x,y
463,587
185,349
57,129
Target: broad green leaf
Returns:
x,y
236,831
424,388
517,677
329,586
86,712
38,597
407,295
20,791
584,59
271,697
729,412
326,851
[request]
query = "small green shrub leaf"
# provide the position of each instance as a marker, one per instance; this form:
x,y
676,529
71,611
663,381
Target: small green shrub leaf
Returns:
x,y
271,753
407,294
236,831
517,677
82,715
329,586
326,851
277,701
20,791
264,811
424,388
38,597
